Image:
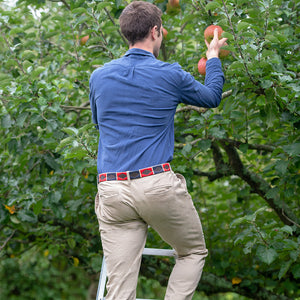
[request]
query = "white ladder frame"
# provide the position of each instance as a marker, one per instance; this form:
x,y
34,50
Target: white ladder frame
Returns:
x,y
147,251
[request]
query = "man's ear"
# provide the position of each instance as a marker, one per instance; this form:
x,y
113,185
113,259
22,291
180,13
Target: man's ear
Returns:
x,y
153,32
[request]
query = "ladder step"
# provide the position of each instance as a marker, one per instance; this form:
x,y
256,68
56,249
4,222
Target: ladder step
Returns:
x,y
159,252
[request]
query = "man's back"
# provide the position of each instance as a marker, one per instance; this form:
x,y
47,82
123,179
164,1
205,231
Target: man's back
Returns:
x,y
134,100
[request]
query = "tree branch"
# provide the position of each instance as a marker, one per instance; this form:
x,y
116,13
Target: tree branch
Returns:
x,y
200,110
102,35
7,240
237,144
259,185
212,176
66,4
236,42
112,20
217,155
261,147
83,231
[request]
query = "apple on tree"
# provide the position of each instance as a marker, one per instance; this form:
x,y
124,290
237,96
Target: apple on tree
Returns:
x,y
165,33
223,52
209,35
209,32
84,39
202,65
173,7
174,3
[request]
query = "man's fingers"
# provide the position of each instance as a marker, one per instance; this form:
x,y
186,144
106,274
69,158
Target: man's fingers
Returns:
x,y
223,41
207,43
216,33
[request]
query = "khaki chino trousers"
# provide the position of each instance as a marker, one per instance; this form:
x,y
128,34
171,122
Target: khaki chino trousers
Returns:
x,y
125,209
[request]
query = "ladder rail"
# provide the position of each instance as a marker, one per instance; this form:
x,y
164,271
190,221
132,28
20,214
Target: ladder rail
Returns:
x,y
102,281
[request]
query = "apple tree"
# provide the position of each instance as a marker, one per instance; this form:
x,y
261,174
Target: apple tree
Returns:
x,y
241,160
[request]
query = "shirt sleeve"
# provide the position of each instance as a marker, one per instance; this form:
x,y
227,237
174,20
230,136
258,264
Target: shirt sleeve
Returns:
x,y
208,95
93,102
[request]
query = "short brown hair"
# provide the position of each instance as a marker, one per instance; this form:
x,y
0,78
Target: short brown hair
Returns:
x,y
138,18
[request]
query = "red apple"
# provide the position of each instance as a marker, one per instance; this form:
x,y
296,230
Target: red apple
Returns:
x,y
174,3
165,33
209,32
223,52
202,65
84,39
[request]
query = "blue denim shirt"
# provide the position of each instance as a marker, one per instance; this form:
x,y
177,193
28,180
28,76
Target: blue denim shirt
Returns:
x,y
133,101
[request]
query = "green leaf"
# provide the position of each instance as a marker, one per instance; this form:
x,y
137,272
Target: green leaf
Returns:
x,y
37,207
28,54
186,149
272,38
70,130
244,148
217,132
65,142
15,220
55,196
27,216
21,119
281,166
71,243
5,79
86,127
6,121
36,72
249,245
96,263
50,161
294,254
204,145
296,271
242,25
229,36
237,66
272,193
238,221
292,149
265,84
42,101
118,3
79,10
101,5
271,116
77,152
261,100
284,268
212,5
266,255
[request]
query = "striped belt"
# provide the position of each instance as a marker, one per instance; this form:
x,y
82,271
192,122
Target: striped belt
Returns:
x,y
134,174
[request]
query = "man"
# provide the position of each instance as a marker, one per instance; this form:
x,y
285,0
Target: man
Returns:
x,y
133,101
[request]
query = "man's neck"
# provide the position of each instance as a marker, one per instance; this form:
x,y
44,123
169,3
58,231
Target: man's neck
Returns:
x,y
143,45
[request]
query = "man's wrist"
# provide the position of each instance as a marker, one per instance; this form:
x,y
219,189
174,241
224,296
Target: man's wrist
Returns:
x,y
214,56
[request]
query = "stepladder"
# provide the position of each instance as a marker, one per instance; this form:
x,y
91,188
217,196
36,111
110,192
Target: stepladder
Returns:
x,y
103,273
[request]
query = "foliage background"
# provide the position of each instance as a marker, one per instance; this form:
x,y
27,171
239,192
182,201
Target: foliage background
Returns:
x,y
241,160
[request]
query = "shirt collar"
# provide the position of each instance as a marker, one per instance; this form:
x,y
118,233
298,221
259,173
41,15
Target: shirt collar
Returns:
x,y
138,51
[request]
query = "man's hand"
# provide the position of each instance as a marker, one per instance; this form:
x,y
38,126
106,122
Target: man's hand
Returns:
x,y
213,48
